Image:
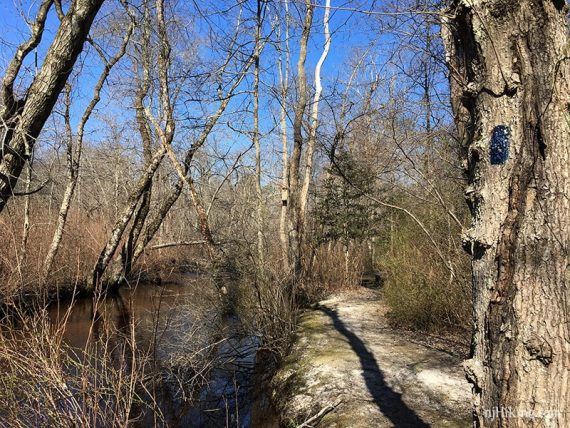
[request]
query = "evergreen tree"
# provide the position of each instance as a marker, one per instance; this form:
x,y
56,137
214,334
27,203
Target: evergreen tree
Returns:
x,y
342,209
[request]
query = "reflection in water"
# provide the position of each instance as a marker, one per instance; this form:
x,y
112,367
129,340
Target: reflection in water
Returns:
x,y
179,329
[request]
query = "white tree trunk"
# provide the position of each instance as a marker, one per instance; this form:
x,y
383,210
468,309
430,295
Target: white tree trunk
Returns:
x,y
314,118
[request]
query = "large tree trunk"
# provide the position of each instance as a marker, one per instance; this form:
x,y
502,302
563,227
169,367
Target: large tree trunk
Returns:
x,y
27,117
510,79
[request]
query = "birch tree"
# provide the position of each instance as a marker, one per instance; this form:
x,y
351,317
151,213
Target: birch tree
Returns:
x,y
314,117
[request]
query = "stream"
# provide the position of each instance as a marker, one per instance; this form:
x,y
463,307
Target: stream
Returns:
x,y
179,328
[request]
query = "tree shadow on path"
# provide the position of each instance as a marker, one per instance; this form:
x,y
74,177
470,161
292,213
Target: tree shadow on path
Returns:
x,y
388,401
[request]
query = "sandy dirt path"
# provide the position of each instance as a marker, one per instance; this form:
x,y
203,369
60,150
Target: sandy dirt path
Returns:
x,y
349,368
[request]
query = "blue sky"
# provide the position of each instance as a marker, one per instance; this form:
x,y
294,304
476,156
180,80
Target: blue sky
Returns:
x,y
352,33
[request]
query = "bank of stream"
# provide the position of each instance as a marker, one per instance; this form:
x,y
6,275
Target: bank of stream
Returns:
x,y
198,366
202,367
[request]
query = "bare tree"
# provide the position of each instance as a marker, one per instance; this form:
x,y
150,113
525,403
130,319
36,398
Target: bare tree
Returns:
x,y
215,250
256,135
299,183
165,129
283,62
128,250
294,183
73,152
314,117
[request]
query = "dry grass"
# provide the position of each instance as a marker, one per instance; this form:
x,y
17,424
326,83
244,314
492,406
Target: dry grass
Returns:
x,y
263,297
127,366
21,269
266,311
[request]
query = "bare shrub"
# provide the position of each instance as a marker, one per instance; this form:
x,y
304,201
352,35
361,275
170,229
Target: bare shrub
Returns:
x,y
334,267
266,308
45,382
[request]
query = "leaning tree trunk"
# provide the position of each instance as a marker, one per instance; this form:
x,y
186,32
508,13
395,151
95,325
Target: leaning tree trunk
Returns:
x,y
510,75
73,154
114,240
26,117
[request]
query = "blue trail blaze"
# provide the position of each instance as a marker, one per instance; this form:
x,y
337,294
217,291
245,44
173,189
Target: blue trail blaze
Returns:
x,y
500,144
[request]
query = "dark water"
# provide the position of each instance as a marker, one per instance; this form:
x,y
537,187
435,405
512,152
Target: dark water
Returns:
x,y
178,326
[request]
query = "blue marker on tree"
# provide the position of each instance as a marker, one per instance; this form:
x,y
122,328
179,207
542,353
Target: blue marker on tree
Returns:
x,y
500,144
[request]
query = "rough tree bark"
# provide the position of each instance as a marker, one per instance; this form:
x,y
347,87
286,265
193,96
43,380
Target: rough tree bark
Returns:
x,y
510,84
26,117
